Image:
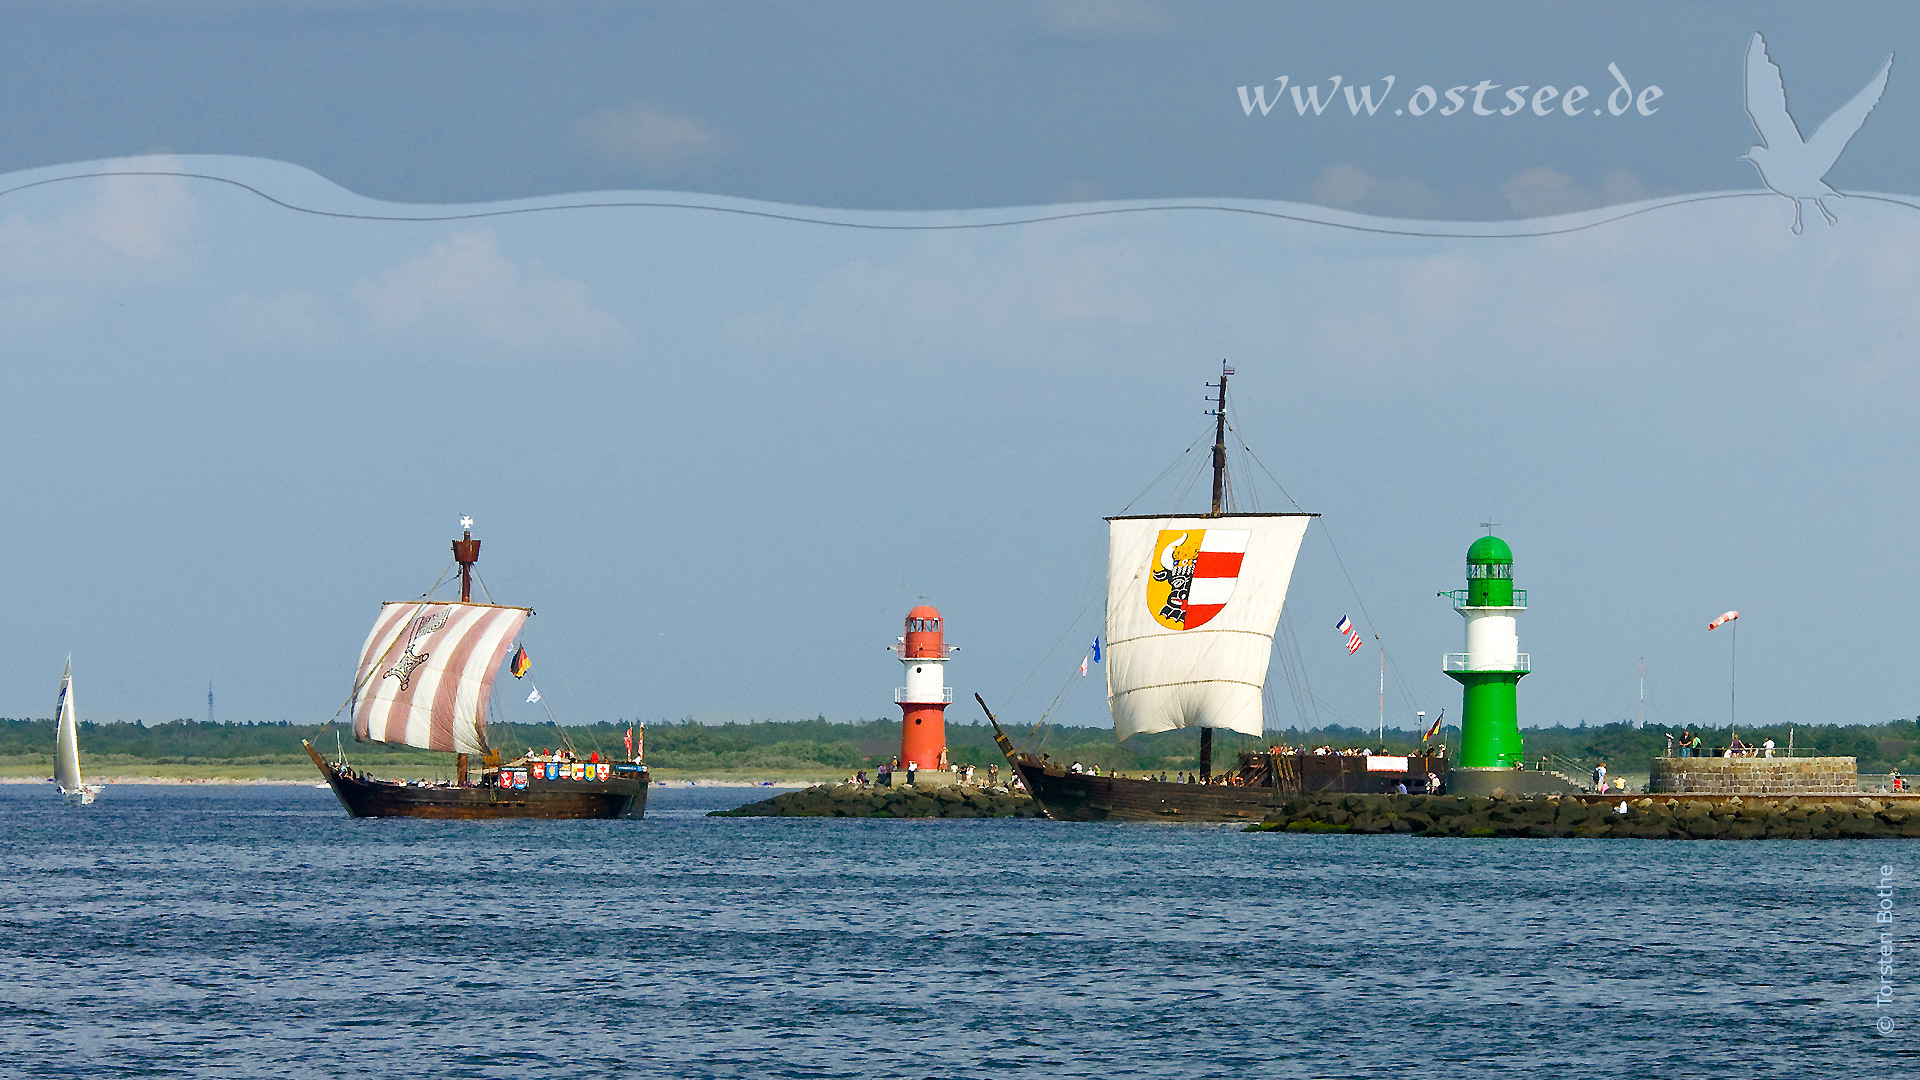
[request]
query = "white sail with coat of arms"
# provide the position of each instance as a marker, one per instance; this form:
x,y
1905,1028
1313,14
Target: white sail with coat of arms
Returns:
x,y
1192,604
426,671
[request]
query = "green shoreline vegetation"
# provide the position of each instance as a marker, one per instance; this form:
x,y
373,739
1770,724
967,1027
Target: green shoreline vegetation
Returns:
x,y
817,750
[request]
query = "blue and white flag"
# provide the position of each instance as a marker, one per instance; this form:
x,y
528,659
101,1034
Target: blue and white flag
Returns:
x,y
1096,650
1094,656
535,696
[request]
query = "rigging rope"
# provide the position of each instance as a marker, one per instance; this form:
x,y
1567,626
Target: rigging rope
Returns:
x,y
361,681
566,684
1163,475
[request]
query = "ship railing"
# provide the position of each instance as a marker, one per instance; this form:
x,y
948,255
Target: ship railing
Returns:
x,y
900,697
1457,661
1459,598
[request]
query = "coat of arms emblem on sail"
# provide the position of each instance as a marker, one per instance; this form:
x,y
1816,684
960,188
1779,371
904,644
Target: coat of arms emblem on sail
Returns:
x,y
1193,575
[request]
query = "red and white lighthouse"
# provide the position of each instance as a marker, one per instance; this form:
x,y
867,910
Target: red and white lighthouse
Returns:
x,y
923,701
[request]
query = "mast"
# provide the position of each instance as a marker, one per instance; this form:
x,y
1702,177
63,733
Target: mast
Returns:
x,y
1219,505
1220,442
466,552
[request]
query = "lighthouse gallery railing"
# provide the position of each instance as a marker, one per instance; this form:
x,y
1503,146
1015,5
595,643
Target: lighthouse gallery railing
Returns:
x,y
1457,661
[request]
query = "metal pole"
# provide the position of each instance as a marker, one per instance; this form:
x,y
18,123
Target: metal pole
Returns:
x,y
1733,682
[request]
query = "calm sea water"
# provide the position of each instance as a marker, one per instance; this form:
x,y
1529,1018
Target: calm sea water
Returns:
x,y
258,932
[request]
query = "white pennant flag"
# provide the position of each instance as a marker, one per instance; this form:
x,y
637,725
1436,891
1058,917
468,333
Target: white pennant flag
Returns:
x,y
535,696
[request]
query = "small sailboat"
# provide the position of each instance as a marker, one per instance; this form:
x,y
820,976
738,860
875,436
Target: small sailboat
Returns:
x,y
66,759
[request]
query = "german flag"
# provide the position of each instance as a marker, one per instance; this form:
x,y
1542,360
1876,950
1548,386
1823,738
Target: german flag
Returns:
x,y
1435,729
520,664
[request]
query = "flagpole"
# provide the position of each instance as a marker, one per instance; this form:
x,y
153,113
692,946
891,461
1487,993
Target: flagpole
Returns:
x,y
1383,697
1733,679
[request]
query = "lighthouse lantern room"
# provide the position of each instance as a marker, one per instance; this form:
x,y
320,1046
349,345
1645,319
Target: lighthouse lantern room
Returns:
x,y
923,701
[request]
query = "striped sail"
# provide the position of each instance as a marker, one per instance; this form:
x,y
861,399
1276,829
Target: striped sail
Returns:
x,y
66,762
1192,604
426,671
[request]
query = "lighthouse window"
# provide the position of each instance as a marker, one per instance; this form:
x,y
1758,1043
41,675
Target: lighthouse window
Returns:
x,y
1483,570
916,671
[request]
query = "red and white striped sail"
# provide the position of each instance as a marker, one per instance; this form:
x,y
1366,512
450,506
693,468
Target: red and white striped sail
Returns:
x,y
426,672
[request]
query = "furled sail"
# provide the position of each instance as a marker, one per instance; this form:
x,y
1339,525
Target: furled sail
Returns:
x,y
426,671
66,762
1192,604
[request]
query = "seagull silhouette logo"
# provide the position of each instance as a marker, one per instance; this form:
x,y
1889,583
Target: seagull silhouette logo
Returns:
x,y
1792,167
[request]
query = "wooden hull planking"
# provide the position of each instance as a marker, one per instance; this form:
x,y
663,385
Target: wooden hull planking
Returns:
x,y
620,796
1070,796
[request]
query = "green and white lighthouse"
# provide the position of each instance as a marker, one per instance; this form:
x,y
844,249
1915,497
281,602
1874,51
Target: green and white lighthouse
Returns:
x,y
1489,672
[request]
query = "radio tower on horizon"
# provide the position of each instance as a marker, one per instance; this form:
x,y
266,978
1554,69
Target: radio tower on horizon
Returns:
x,y
209,701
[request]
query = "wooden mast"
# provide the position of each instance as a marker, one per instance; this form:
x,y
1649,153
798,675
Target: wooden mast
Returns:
x,y
1219,504
466,552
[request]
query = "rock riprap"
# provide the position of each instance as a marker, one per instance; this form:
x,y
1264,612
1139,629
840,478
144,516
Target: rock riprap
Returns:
x,y
851,800
1598,817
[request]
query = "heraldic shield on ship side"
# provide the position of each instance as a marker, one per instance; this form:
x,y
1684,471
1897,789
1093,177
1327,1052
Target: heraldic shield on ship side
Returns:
x,y
1193,602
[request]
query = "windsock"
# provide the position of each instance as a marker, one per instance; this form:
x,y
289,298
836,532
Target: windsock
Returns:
x,y
1723,620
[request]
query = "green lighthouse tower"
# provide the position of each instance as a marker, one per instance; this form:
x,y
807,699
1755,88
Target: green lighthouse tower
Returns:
x,y
1489,672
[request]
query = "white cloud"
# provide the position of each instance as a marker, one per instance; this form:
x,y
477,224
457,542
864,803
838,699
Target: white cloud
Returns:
x,y
658,141
466,289
1544,192
120,224
1053,290
1349,187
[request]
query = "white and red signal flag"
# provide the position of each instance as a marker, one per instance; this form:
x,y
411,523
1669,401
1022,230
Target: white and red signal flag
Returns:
x,y
1723,620
1345,627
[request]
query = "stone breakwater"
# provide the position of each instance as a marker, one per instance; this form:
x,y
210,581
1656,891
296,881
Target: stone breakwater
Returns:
x,y
846,800
1598,817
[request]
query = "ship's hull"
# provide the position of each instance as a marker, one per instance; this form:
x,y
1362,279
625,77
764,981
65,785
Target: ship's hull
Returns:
x,y
620,796
1070,796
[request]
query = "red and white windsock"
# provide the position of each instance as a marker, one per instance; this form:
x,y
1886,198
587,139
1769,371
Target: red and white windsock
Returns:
x,y
1723,620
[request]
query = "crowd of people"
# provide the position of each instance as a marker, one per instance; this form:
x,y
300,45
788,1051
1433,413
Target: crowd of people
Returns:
x,y
884,775
1690,745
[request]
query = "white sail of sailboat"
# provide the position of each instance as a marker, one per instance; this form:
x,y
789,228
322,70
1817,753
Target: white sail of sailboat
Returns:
x,y
66,761
1192,605
426,673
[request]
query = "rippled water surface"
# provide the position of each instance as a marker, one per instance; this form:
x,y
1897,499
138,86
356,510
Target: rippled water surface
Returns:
x,y
256,931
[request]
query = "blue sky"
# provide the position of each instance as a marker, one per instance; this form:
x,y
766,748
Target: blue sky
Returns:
x,y
721,454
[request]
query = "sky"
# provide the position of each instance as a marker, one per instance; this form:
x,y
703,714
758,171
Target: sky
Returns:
x,y
352,296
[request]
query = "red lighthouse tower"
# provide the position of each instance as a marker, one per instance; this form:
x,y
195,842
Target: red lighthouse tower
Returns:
x,y
923,701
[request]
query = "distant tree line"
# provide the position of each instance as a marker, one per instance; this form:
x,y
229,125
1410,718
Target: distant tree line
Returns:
x,y
822,744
